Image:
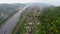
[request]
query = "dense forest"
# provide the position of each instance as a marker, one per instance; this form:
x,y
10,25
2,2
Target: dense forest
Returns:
x,y
50,21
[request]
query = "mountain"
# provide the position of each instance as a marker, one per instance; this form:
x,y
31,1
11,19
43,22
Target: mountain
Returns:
x,y
7,8
39,4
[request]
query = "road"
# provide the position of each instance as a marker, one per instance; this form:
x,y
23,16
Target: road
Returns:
x,y
10,23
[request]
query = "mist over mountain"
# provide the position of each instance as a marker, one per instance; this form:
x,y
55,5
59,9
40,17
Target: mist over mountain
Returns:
x,y
5,8
11,5
40,4
8,8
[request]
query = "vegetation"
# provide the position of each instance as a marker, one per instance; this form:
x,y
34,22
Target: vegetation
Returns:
x,y
46,22
50,21
27,22
7,10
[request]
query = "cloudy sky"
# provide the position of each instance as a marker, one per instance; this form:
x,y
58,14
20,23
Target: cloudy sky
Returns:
x,y
53,2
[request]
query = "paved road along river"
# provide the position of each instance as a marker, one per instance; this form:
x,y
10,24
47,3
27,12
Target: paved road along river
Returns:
x,y
10,23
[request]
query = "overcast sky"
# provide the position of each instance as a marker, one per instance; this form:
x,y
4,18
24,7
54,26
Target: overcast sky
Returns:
x,y
53,2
